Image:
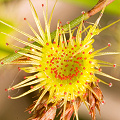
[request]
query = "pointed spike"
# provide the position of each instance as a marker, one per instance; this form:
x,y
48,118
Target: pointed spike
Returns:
x,y
106,75
39,40
37,21
41,96
16,29
28,92
21,41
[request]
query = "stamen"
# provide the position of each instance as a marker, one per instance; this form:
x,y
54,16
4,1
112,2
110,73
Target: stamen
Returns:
x,y
24,18
110,84
109,44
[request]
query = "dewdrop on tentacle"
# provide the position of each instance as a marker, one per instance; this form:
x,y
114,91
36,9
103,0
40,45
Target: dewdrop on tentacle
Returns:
x,y
64,69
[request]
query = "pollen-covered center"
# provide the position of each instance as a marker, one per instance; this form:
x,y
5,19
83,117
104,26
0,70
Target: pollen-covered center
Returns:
x,y
61,64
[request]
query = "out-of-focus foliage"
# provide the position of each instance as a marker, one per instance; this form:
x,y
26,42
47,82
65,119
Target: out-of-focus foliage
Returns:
x,y
4,50
113,8
4,1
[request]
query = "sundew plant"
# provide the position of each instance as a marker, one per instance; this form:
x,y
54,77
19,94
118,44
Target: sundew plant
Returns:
x,y
63,70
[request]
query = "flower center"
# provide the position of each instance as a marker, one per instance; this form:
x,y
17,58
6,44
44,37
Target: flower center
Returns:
x,y
61,64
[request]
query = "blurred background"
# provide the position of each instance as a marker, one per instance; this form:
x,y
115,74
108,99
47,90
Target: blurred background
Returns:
x,y
14,11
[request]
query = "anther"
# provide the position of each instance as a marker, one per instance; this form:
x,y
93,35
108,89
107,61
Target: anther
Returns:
x,y
114,65
24,18
83,12
76,68
29,112
68,40
42,5
7,44
80,44
73,100
54,97
75,45
16,51
90,61
46,68
91,33
84,68
89,113
9,96
47,61
90,52
109,44
56,76
83,52
98,80
86,83
12,88
31,87
78,81
70,83
100,69
65,93
91,73
110,84
68,22
45,105
54,42
103,102
6,90
19,68
47,43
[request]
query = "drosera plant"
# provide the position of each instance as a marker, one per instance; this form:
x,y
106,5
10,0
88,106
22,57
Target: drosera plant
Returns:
x,y
64,70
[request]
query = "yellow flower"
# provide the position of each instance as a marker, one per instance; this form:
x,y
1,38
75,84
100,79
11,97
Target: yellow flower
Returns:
x,y
64,69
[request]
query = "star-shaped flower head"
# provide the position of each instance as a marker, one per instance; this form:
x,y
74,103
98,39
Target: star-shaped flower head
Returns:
x,y
64,69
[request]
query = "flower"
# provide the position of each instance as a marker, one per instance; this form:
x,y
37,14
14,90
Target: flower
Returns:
x,y
64,69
